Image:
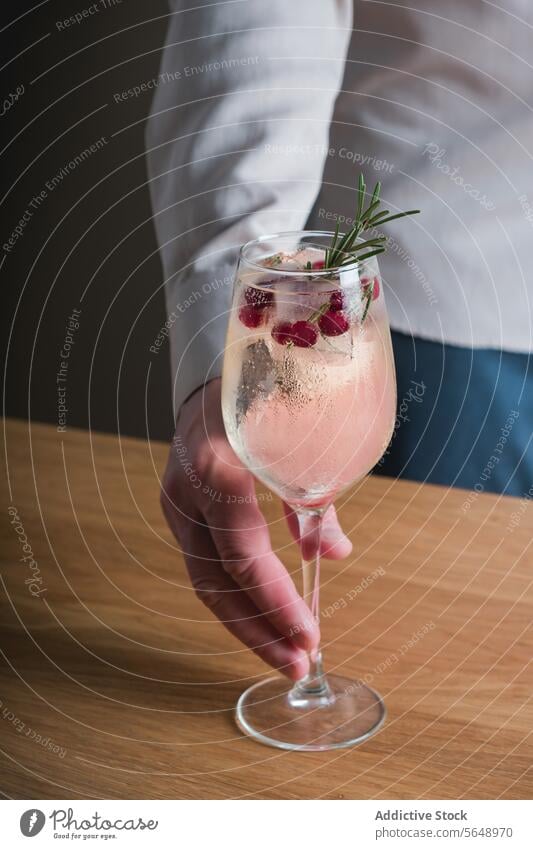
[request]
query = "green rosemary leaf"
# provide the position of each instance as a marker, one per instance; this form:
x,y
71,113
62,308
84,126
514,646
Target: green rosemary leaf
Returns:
x,y
376,193
368,301
374,200
323,308
372,222
331,250
376,240
399,215
369,210
360,197
353,255
335,240
346,249
350,260
348,240
372,253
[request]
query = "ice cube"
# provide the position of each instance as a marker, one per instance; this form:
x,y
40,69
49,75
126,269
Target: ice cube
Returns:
x,y
258,377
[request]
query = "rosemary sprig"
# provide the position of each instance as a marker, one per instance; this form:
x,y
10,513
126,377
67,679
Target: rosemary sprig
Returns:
x,y
369,295
318,313
327,263
346,248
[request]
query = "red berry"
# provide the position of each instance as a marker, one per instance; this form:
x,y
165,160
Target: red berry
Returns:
x,y
365,282
281,332
336,301
258,298
318,264
251,316
333,323
303,334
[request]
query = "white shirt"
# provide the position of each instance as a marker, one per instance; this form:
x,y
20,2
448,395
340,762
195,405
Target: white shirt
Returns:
x,y
264,114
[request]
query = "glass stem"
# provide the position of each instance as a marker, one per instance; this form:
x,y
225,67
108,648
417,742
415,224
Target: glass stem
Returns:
x,y
314,685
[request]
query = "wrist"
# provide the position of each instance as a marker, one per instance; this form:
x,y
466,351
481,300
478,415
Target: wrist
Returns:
x,y
202,395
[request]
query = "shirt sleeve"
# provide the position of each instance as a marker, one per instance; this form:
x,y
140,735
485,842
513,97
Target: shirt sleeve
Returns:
x,y
236,144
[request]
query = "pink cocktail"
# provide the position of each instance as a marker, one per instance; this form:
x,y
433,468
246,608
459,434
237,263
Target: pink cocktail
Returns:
x,y
309,403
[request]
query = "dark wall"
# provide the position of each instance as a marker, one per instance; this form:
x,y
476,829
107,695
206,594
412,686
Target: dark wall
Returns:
x,y
85,239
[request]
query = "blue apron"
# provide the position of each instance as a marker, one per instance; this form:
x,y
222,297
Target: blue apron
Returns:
x,y
464,417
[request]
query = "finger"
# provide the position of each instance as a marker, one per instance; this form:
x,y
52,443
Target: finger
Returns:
x,y
243,544
334,544
234,607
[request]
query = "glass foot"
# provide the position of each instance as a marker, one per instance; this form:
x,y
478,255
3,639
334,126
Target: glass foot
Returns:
x,y
279,714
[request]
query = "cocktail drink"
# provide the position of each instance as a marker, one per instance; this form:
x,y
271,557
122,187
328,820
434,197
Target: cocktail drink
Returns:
x,y
309,392
309,404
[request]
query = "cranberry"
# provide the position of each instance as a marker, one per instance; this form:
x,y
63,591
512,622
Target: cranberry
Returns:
x,y
303,334
251,316
365,282
333,323
318,265
336,302
258,298
281,332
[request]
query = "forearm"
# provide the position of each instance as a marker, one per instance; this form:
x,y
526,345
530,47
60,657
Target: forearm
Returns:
x,y
235,149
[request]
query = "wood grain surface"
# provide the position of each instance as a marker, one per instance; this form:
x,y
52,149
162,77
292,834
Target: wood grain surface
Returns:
x,y
115,682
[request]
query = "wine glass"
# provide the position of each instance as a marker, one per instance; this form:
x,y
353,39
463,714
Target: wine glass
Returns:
x,y
309,404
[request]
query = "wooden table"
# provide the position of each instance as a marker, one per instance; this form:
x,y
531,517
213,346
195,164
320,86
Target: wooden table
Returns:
x,y
116,682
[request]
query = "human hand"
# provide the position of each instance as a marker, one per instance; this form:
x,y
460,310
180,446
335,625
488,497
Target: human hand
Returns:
x,y
208,498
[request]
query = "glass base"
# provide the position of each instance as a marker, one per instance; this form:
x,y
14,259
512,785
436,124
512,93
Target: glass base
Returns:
x,y
279,714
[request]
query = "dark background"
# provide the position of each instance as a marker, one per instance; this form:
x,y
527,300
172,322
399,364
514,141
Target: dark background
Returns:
x,y
90,244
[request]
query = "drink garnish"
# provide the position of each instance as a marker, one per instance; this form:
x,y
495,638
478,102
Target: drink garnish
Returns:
x,y
302,334
333,323
345,249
